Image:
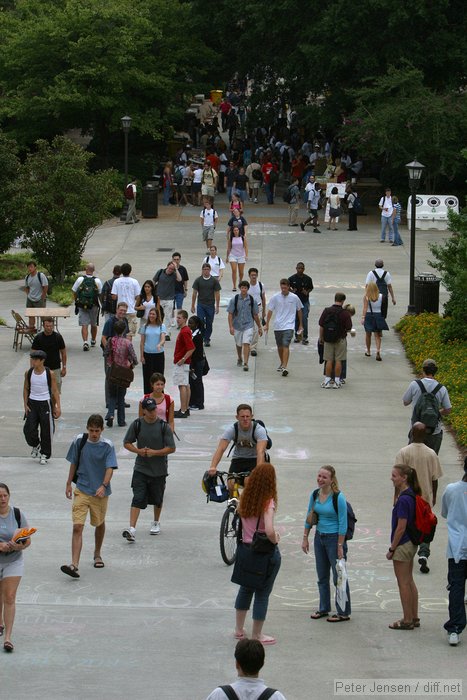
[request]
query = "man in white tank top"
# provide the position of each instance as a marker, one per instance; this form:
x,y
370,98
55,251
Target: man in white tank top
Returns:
x,y
41,405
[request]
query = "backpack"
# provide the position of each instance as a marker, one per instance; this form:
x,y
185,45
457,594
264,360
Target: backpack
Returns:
x,y
332,331
357,204
214,214
287,196
49,380
381,283
351,519
232,695
108,305
423,527
252,301
178,176
255,423
208,258
17,513
426,410
87,294
81,444
129,194
273,177
256,174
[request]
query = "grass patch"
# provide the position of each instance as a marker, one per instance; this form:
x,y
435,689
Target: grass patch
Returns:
x,y
13,266
61,292
2,322
421,337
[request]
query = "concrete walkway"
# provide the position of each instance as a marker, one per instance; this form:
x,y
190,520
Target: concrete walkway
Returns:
x,y
157,622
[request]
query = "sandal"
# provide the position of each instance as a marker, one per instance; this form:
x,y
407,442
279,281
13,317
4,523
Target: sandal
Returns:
x,y
416,622
70,570
319,614
338,618
378,357
368,354
98,563
266,640
240,634
8,646
401,625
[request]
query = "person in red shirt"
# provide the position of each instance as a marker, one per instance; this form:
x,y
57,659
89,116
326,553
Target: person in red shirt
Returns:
x,y
225,108
213,158
269,182
184,348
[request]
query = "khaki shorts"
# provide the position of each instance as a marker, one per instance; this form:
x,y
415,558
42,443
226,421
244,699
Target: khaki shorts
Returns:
x,y
335,351
405,552
181,375
243,337
82,503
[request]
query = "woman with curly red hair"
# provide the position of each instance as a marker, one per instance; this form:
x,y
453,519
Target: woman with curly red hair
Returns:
x,y
257,506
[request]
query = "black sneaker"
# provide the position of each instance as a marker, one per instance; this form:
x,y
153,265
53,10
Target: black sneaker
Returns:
x,y
296,339
253,353
424,568
302,226
181,414
305,341
207,343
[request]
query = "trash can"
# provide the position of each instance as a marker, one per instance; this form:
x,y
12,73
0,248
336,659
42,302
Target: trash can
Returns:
x,y
426,293
149,205
216,96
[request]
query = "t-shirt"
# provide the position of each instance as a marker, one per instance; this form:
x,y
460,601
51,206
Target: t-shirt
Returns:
x,y
299,283
217,264
126,289
8,525
379,273
243,318
426,463
94,459
97,282
245,447
183,344
51,344
249,524
206,288
246,689
197,175
152,338
386,203
285,307
109,327
208,216
151,435
344,317
241,182
241,222
179,286
454,508
404,508
165,285
413,392
329,521
256,291
35,284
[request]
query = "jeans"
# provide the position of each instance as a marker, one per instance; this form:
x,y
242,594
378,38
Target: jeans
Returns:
x,y
229,193
206,314
260,605
386,221
269,193
241,194
397,237
116,401
325,546
457,575
166,194
179,297
305,312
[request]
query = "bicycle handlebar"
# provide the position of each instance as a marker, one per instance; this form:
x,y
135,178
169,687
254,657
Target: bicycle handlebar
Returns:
x,y
233,475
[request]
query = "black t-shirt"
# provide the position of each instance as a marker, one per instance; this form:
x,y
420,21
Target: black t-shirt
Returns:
x,y
300,282
241,181
51,344
179,286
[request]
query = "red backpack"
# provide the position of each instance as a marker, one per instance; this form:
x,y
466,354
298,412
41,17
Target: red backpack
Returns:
x,y
168,401
423,528
129,194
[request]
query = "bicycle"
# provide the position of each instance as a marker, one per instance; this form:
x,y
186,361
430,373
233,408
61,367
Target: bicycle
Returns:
x,y
230,518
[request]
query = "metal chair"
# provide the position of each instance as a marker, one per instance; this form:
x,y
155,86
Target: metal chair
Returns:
x,y
21,330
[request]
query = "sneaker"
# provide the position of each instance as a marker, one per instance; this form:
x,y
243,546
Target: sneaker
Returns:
x,y
253,353
285,372
342,382
305,341
195,408
239,363
302,226
35,452
85,347
336,385
296,339
316,230
453,639
43,459
326,385
207,343
155,528
423,561
181,414
245,368
93,343
256,201
279,369
129,534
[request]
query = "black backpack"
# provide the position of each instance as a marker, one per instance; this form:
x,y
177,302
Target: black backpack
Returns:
x,y
351,519
87,294
108,305
255,423
426,410
381,283
256,174
332,330
252,301
81,444
357,204
232,695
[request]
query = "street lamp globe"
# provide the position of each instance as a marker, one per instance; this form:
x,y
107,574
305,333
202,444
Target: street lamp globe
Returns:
x,y
126,123
415,170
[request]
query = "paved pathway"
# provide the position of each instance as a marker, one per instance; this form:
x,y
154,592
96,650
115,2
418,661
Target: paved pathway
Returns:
x,y
157,621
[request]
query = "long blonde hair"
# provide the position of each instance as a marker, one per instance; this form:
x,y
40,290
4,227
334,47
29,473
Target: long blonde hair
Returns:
x,y
372,291
334,482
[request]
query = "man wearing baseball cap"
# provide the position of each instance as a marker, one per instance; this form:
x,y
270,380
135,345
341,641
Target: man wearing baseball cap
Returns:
x,y
41,405
151,439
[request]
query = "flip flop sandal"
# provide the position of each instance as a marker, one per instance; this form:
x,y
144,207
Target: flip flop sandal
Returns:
x,y
98,563
8,646
319,614
240,635
267,640
70,570
416,622
338,618
401,625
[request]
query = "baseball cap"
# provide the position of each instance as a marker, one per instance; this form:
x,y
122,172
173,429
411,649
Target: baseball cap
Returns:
x,y
39,354
149,404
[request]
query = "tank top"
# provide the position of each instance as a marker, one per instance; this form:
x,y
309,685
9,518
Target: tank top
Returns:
x,y
238,249
375,305
39,390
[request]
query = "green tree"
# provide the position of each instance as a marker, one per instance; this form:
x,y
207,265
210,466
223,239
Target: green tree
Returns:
x,y
59,203
9,168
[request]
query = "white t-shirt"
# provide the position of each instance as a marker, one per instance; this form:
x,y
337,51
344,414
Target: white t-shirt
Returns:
x,y
255,291
197,175
126,289
246,689
208,216
76,285
380,272
285,307
386,203
217,264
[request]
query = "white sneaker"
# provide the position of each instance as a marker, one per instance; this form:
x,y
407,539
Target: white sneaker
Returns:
x,y
326,385
129,534
337,385
35,452
43,459
453,639
155,528
279,369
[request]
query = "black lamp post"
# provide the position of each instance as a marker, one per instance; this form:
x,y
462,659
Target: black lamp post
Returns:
x,y
415,170
126,125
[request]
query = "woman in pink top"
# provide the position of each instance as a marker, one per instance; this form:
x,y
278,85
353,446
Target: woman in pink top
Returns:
x,y
237,253
258,501
165,403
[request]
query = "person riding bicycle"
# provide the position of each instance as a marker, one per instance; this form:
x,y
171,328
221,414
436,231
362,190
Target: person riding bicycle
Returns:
x,y
250,443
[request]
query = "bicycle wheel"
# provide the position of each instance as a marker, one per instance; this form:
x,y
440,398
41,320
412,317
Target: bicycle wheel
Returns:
x,y
228,535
